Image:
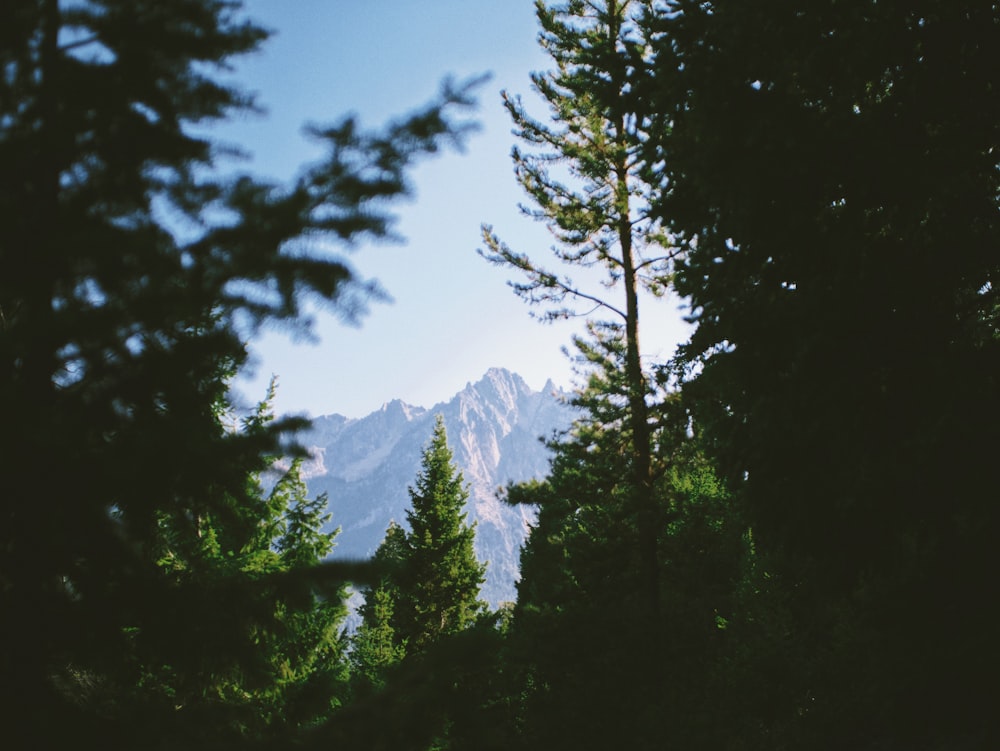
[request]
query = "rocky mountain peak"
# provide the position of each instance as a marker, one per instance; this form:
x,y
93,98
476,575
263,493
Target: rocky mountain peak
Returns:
x,y
397,409
494,425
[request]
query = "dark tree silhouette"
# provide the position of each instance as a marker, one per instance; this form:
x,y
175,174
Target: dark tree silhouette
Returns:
x,y
833,169
131,274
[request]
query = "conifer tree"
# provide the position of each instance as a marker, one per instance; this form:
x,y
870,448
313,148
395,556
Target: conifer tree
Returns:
x,y
291,670
131,271
422,616
376,645
834,169
599,216
374,648
439,577
577,564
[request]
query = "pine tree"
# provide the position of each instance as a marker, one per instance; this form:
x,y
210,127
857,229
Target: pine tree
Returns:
x,y
417,645
309,657
833,168
291,670
576,572
376,646
132,272
439,577
600,216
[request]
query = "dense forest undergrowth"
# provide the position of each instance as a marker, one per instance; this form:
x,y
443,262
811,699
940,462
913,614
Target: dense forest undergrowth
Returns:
x,y
784,537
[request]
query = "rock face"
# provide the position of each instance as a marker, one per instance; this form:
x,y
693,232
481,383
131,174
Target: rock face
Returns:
x,y
494,429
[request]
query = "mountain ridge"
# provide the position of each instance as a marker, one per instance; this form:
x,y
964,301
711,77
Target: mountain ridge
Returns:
x,y
495,428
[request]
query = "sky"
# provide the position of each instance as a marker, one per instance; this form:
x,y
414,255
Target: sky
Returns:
x,y
452,315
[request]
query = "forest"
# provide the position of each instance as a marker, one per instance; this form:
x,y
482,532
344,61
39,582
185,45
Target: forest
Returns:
x,y
783,536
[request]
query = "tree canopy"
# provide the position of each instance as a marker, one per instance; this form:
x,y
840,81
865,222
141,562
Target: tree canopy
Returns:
x,y
832,170
132,274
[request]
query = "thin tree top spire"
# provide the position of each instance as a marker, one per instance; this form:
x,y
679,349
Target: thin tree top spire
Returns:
x,y
584,172
587,183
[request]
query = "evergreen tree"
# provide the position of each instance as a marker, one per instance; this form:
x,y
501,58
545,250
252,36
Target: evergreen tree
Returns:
x,y
292,670
833,170
579,561
375,646
132,274
600,217
425,643
309,661
439,577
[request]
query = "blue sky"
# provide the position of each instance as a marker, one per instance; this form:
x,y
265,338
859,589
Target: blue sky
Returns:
x,y
452,315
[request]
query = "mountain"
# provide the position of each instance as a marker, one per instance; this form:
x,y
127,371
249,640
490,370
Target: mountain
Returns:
x,y
494,430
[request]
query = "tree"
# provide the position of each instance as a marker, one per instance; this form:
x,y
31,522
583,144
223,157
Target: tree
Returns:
x,y
600,216
576,567
375,646
307,647
832,170
133,271
439,575
425,652
267,658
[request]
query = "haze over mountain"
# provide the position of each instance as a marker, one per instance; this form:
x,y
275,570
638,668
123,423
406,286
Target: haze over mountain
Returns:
x,y
494,430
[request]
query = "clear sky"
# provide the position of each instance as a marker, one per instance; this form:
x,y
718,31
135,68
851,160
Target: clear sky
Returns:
x,y
452,315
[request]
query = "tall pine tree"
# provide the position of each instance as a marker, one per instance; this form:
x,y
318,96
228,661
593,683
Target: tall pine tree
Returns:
x,y
439,578
130,274
834,170
600,215
422,645
577,572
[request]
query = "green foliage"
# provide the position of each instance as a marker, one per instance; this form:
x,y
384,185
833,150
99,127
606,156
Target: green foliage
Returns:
x,y
833,171
600,216
587,660
302,542
132,273
439,577
287,669
375,646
